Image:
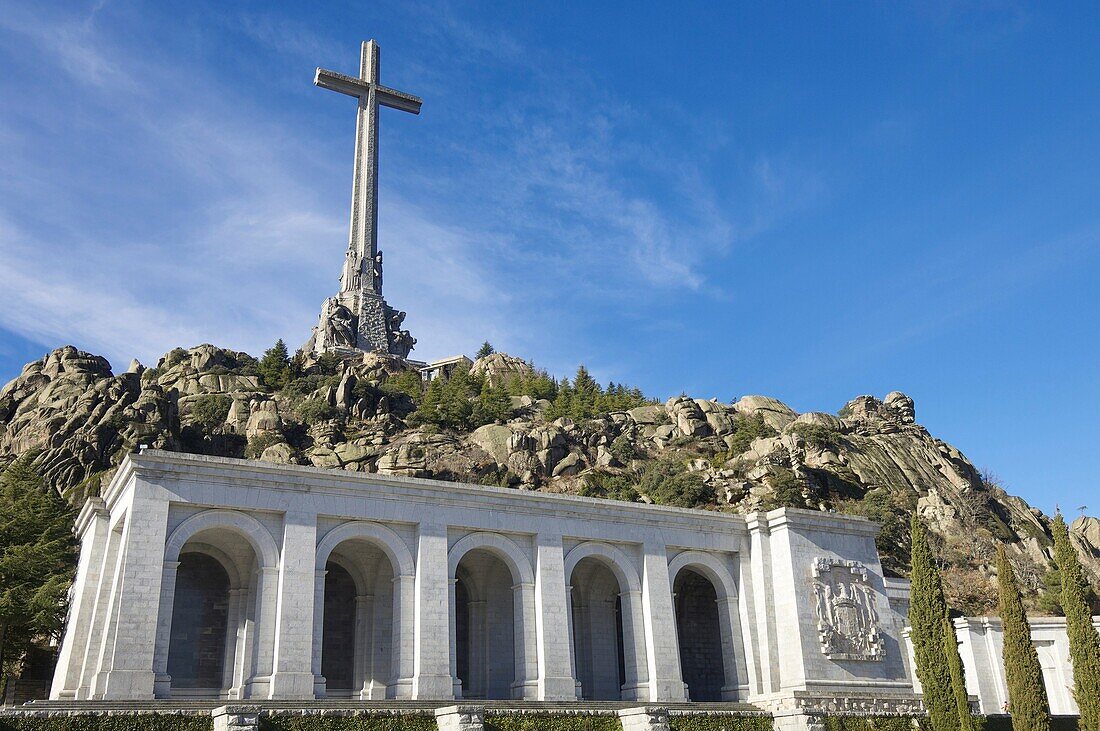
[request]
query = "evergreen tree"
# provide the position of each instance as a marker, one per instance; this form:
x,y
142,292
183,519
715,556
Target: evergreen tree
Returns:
x,y
37,560
485,350
1084,643
934,644
957,674
1027,696
274,366
493,404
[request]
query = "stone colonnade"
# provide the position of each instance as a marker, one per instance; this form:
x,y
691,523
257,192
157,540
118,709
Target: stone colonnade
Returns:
x,y
206,577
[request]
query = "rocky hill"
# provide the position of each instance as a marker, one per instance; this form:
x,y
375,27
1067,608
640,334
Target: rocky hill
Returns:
x,y
871,458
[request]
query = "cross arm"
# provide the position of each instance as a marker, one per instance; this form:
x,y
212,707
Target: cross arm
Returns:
x,y
357,87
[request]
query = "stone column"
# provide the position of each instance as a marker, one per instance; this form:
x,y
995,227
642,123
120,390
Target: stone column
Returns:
x,y
319,689
162,684
92,529
553,622
403,638
433,620
263,605
236,630
363,676
636,666
126,668
293,657
759,596
526,642
662,650
577,690
733,658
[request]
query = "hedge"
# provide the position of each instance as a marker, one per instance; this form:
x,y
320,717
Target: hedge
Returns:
x,y
356,722
718,722
551,722
113,722
1004,723
878,723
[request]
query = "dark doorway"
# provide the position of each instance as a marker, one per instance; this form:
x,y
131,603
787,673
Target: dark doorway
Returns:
x,y
196,649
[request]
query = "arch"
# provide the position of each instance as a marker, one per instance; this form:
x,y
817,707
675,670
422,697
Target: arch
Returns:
x,y
378,534
613,557
218,554
501,546
709,566
248,527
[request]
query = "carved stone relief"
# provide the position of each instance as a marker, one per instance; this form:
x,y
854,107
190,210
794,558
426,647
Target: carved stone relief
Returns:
x,y
847,621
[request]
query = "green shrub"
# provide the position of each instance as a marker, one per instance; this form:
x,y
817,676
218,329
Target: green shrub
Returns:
x,y
1084,644
817,435
354,722
718,722
408,383
1027,696
667,482
623,449
607,485
258,443
113,722
210,410
746,429
551,722
787,491
316,410
876,723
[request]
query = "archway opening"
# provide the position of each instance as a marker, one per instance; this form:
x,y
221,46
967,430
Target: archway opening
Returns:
x,y
338,639
699,632
485,636
357,628
598,647
200,613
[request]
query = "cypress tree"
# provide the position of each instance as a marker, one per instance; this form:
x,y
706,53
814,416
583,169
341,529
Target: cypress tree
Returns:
x,y
934,643
957,674
1084,643
1027,696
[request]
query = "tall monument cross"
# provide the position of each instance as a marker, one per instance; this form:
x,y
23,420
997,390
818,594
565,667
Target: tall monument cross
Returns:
x,y
357,319
362,267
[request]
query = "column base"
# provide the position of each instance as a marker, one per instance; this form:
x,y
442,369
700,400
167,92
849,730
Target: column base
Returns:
x,y
558,689
128,685
292,686
667,691
433,687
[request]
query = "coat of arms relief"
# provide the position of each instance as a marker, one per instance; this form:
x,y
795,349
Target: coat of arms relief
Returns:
x,y
847,621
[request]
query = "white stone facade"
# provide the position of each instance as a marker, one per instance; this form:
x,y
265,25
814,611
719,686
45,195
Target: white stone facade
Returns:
x,y
214,577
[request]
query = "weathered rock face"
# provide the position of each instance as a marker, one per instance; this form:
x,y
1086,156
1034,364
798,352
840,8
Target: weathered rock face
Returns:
x,y
872,458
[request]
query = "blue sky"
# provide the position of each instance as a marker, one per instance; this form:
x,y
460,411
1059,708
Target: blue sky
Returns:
x,y
811,201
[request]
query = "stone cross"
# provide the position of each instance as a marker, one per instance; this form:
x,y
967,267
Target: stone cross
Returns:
x,y
363,266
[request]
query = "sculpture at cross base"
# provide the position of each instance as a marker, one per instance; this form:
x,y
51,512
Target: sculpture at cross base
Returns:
x,y
358,318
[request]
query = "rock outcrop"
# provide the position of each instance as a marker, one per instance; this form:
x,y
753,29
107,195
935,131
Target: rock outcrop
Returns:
x,y
872,458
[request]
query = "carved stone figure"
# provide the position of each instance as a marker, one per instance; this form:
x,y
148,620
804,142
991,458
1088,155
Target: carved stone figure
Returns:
x,y
847,620
339,326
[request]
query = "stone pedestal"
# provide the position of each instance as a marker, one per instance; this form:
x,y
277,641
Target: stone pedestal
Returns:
x,y
460,718
644,718
236,718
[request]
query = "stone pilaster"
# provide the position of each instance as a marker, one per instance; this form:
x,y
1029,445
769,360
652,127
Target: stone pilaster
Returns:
x,y
433,631
662,650
293,675
552,621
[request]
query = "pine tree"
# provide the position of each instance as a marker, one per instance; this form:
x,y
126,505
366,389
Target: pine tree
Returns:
x,y
274,366
1084,643
934,643
37,559
1027,696
485,351
493,404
